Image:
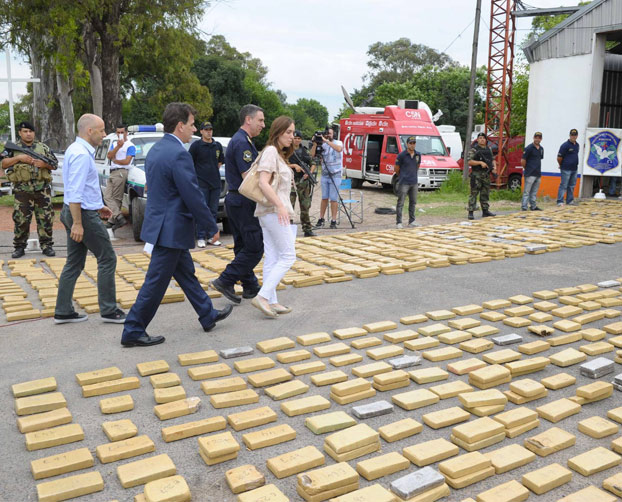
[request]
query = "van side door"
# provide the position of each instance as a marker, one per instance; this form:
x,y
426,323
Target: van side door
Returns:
x,y
389,154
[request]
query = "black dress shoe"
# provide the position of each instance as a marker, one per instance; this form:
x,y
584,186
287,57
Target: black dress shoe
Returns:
x,y
222,314
143,341
249,293
227,291
18,253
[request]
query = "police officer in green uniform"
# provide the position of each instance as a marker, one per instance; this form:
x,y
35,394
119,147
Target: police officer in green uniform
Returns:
x,y
31,180
302,187
482,166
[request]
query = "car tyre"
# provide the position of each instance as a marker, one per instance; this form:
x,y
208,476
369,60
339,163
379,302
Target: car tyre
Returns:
x,y
138,215
514,182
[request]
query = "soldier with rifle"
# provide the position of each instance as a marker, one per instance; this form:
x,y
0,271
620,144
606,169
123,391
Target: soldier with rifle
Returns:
x,y
483,166
27,164
304,169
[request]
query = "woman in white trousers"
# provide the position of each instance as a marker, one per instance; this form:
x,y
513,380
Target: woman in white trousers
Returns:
x,y
279,236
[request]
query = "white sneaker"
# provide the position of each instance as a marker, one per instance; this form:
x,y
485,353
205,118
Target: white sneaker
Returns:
x,y
399,225
560,204
413,224
201,243
216,243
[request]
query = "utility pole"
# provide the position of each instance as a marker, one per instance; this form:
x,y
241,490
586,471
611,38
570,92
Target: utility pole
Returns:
x,y
469,130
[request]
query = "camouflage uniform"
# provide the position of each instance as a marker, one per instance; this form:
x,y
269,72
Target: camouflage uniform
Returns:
x,y
303,188
303,191
480,178
32,194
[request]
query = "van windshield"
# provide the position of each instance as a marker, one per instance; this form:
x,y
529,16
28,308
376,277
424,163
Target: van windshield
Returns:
x,y
426,145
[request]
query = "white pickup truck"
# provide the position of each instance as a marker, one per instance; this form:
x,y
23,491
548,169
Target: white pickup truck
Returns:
x,y
135,196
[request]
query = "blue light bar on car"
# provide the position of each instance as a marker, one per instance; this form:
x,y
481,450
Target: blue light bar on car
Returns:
x,y
146,128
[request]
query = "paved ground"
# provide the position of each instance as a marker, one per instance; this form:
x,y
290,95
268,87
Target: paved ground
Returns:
x,y
39,349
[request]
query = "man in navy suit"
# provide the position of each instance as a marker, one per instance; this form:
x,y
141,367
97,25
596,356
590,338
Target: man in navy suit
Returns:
x,y
175,202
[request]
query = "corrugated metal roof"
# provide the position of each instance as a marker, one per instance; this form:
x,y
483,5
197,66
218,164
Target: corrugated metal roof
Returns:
x,y
573,36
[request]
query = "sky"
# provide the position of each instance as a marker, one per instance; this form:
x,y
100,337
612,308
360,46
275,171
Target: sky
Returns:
x,y
312,48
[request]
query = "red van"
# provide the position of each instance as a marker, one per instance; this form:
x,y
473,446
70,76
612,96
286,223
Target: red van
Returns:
x,y
371,142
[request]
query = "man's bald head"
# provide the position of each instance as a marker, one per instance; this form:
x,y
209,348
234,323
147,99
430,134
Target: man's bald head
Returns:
x,y
92,129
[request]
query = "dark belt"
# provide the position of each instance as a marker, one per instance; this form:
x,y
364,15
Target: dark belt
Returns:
x,y
232,191
117,168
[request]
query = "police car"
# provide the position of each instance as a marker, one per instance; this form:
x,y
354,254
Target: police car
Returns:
x,y
135,197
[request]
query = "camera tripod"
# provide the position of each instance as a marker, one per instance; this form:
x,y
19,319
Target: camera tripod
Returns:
x,y
320,162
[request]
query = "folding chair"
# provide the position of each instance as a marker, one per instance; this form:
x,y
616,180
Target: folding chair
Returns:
x,y
352,200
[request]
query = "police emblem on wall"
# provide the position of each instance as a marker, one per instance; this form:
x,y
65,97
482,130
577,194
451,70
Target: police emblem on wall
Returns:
x,y
603,153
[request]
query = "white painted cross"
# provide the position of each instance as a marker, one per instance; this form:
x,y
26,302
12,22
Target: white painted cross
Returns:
x,y
10,81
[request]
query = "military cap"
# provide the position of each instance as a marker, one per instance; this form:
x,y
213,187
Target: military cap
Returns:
x,y
206,125
297,133
24,124
574,132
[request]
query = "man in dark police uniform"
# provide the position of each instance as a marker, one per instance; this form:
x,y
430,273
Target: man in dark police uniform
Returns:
x,y
247,234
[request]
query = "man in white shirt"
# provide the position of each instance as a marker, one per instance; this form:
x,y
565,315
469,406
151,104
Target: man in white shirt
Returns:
x,y
330,150
121,155
82,211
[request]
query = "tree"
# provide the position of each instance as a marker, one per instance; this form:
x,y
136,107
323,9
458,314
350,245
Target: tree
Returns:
x,y
520,88
309,115
161,72
112,26
218,46
45,33
225,80
398,61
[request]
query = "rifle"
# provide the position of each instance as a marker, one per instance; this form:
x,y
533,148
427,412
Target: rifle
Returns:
x,y
305,169
52,161
480,158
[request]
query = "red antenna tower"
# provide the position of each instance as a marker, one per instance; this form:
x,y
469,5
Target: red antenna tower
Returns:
x,y
499,81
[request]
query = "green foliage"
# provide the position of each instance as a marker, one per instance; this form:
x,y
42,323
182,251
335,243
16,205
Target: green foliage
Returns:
x,y
309,115
225,80
446,89
400,60
520,88
21,112
454,183
505,194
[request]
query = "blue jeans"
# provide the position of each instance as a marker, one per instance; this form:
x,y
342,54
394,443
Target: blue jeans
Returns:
x,y
330,185
212,196
569,180
530,190
403,190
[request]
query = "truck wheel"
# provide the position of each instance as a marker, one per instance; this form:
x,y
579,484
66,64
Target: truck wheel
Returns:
x,y
138,215
357,182
514,182
226,226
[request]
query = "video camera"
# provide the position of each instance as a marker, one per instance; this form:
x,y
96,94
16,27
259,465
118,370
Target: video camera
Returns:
x,y
319,136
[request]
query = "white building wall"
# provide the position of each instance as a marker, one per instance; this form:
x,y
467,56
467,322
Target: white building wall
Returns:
x,y
559,96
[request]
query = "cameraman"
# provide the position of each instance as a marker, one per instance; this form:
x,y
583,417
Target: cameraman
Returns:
x,y
482,165
330,149
302,187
